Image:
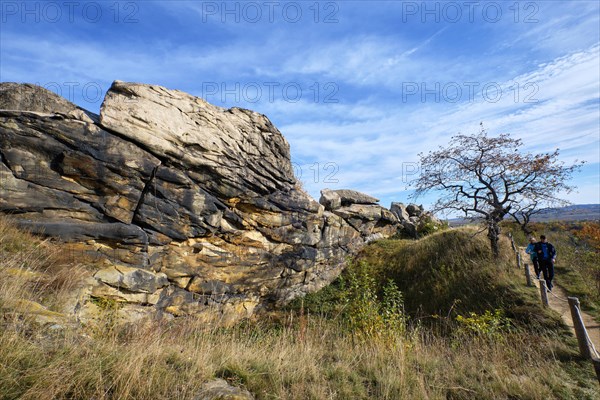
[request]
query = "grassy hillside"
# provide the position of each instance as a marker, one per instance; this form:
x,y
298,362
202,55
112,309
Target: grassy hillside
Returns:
x,y
325,348
451,273
444,275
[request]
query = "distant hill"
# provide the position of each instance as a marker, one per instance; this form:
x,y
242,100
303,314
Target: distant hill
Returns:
x,y
576,212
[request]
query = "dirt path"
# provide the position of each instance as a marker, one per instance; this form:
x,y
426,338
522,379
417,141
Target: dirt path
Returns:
x,y
557,299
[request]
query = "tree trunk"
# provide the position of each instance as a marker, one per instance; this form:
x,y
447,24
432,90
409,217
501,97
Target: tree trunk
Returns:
x,y
525,225
526,230
494,236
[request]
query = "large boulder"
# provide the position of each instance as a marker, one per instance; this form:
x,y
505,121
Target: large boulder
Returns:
x,y
330,199
414,210
195,208
399,210
361,212
369,218
348,197
334,199
241,147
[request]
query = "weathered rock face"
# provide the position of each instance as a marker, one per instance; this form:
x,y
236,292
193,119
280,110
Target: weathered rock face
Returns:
x,y
361,212
196,207
27,97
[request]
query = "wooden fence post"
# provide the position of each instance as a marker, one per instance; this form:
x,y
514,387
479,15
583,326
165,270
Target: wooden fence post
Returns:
x,y
528,275
584,347
596,362
512,242
544,292
519,260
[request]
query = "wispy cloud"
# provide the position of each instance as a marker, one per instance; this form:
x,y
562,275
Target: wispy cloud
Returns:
x,y
394,83
562,113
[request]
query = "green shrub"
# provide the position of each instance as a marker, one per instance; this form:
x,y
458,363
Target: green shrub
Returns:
x,y
392,307
369,309
490,325
363,306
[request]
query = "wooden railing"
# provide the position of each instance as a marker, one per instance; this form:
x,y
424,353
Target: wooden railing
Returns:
x,y
586,346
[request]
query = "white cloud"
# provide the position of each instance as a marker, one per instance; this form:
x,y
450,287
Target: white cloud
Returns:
x,y
371,153
372,131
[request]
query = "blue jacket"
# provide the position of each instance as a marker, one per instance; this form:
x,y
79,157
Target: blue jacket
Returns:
x,y
550,253
531,251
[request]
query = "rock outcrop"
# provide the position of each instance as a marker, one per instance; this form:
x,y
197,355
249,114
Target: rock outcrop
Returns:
x,y
195,207
414,218
361,212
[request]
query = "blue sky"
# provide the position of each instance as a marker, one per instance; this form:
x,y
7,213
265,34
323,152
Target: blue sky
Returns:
x,y
358,88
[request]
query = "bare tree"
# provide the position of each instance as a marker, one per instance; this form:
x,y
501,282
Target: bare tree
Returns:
x,y
489,178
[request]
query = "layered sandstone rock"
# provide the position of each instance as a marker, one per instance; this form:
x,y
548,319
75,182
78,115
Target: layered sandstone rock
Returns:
x,y
195,207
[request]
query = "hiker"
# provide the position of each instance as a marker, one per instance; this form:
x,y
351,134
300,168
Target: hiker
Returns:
x,y
546,254
534,260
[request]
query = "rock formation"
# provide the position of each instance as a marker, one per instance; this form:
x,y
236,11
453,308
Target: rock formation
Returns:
x,y
361,212
412,218
195,207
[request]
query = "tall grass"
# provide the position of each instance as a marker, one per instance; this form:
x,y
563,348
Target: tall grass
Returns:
x,y
283,355
171,361
35,270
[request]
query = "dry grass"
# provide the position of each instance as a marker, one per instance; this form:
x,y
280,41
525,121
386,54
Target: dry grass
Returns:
x,y
171,361
36,270
309,358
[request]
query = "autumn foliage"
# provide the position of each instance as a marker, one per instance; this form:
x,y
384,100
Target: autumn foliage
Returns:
x,y
590,232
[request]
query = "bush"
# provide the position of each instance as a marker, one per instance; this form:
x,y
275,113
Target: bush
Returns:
x,y
364,310
489,325
362,305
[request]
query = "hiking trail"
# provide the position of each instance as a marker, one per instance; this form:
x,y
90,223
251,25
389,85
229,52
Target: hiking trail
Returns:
x,y
557,300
